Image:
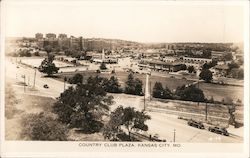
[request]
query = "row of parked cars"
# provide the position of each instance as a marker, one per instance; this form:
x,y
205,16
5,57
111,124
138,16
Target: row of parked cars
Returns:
x,y
218,130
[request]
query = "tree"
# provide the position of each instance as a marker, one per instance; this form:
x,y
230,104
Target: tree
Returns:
x,y
183,67
158,90
133,85
47,66
43,127
127,117
84,106
228,56
103,66
190,93
76,79
112,85
190,69
36,53
138,87
206,75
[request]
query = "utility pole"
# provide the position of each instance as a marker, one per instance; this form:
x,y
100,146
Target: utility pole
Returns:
x,y
150,91
144,101
174,135
24,84
199,94
34,79
206,111
65,79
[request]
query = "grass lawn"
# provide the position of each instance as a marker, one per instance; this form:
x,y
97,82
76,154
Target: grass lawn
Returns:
x,y
172,83
222,91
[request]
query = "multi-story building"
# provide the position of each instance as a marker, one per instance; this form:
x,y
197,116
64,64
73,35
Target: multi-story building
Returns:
x,y
197,60
51,35
160,65
39,36
218,55
62,36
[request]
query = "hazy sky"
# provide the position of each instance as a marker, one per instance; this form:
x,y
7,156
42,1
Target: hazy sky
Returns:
x,y
140,21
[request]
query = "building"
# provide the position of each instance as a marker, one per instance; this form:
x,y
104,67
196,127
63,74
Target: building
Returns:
x,y
217,55
169,59
75,43
221,70
39,36
50,35
160,65
62,36
197,60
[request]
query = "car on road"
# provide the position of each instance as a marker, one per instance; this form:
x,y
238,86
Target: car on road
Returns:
x,y
45,86
196,124
219,130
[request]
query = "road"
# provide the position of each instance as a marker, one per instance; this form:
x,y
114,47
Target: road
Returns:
x,y
164,125
160,123
13,71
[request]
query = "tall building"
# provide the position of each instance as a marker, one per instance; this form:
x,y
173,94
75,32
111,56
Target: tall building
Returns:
x,y
51,35
39,36
62,36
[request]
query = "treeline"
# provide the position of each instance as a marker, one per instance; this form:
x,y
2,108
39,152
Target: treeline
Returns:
x,y
134,86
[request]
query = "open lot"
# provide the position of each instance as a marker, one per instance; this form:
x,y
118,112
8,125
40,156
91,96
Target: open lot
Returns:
x,y
218,92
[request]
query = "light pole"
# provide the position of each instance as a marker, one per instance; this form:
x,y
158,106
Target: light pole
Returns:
x,y
24,84
174,135
65,79
206,111
34,79
144,108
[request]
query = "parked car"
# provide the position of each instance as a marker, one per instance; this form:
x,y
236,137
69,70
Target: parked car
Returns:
x,y
45,86
196,124
219,130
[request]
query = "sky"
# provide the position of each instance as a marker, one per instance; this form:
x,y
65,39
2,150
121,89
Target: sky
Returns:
x,y
139,21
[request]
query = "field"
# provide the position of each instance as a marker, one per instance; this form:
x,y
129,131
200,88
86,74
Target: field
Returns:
x,y
172,83
218,92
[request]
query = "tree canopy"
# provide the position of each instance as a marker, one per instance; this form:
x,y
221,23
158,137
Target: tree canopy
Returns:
x,y
47,66
129,118
133,85
84,106
206,75
160,92
190,93
76,79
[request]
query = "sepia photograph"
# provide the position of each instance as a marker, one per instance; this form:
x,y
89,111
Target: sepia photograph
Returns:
x,y
108,74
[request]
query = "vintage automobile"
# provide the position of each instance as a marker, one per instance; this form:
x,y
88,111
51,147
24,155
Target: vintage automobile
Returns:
x,y
45,86
219,130
195,124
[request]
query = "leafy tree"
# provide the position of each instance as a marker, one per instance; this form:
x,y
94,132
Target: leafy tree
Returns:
x,y
138,87
83,106
190,93
47,66
113,127
228,56
183,67
112,85
190,69
133,85
206,75
103,66
158,90
36,53
129,89
43,127
127,117
76,79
